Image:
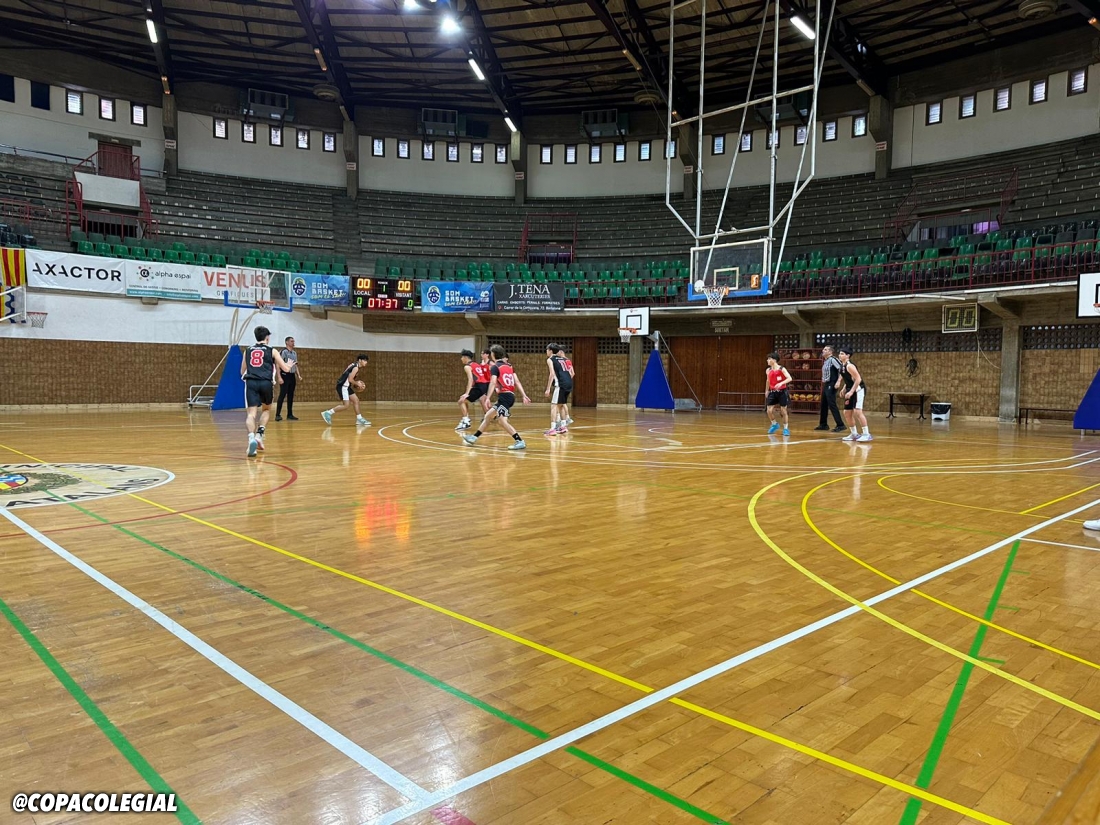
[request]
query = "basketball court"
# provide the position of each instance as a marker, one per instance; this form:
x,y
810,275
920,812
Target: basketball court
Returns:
x,y
388,625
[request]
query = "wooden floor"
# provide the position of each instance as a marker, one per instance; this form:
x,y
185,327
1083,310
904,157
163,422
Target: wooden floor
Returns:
x,y
654,619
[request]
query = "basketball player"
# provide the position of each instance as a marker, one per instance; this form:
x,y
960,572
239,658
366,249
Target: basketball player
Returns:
x,y
855,389
569,368
346,386
558,387
776,395
503,381
477,386
258,373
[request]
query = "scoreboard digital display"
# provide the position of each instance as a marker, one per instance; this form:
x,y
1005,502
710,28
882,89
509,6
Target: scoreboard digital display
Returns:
x,y
383,294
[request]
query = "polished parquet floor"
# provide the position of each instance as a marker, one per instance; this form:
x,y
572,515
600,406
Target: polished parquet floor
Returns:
x,y
654,619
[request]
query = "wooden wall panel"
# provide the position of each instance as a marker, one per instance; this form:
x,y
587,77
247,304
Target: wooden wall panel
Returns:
x,y
586,366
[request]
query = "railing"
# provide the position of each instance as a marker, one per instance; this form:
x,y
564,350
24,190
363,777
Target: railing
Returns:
x,y
550,237
16,211
112,162
21,151
994,185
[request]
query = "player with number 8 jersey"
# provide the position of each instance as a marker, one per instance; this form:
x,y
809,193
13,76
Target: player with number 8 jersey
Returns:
x,y
258,374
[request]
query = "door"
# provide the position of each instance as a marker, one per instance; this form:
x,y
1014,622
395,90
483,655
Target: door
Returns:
x,y
719,364
742,360
116,161
585,366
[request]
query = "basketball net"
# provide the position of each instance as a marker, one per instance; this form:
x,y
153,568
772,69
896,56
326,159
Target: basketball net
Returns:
x,y
715,295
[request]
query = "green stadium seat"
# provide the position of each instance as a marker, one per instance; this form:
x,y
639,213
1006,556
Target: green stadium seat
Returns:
x,y
251,261
217,260
139,253
120,250
85,248
187,257
202,259
103,249
171,256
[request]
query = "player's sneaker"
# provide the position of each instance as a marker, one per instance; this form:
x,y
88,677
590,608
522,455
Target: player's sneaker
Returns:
x,y
786,431
568,421
362,422
850,437
259,442
774,428
519,445
464,424
866,437
251,445
551,431
327,415
563,430
470,439
1093,524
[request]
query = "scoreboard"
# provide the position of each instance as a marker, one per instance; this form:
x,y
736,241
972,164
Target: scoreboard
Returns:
x,y
385,294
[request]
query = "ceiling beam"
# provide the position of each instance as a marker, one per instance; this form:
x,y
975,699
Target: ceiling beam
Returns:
x,y
1090,9
631,54
161,48
655,56
500,89
333,69
851,51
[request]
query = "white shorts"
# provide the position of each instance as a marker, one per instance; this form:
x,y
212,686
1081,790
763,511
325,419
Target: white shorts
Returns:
x,y
856,401
345,391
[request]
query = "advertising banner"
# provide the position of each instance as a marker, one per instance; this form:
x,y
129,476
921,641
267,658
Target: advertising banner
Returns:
x,y
320,290
156,279
527,297
83,273
456,296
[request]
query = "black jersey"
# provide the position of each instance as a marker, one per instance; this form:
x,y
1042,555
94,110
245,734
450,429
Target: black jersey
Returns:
x,y
562,378
345,377
849,382
260,365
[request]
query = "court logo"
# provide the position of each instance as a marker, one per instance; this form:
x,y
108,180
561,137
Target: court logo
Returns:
x,y
434,294
36,485
298,287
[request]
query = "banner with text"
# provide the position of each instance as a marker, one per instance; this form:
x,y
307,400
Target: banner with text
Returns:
x,y
82,273
321,290
528,297
456,296
156,279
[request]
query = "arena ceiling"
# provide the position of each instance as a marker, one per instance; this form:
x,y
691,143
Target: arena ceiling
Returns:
x,y
539,56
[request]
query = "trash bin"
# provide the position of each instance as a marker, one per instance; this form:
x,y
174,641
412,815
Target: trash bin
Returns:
x,y
941,411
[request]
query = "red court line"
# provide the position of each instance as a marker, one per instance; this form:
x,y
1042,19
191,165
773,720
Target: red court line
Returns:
x,y
449,816
293,477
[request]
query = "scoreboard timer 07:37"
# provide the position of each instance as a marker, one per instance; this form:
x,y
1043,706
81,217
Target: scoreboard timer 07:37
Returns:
x,y
386,294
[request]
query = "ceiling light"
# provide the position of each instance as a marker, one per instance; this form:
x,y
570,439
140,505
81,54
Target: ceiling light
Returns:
x,y
480,75
410,5
152,27
510,125
448,25
633,61
164,84
320,60
803,27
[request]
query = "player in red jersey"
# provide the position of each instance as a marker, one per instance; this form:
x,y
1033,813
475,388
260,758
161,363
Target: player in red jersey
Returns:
x,y
477,386
776,395
504,381
569,369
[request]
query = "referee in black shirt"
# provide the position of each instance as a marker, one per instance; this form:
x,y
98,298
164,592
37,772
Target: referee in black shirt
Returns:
x,y
289,382
830,371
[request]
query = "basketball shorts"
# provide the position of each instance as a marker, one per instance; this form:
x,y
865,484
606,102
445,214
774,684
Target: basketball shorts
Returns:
x,y
258,393
560,395
477,392
505,400
778,398
856,401
344,391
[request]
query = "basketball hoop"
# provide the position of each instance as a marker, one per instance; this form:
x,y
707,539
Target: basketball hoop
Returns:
x,y
37,319
264,307
626,333
715,294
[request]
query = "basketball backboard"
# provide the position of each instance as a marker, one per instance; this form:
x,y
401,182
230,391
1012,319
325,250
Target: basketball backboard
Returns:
x,y
636,318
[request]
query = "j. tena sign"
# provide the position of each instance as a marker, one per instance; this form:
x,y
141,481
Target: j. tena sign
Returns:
x,y
528,297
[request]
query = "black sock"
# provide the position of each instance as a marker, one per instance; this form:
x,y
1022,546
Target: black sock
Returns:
x,y
477,434
260,430
516,437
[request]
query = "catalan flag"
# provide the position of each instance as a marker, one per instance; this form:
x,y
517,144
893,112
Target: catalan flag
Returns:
x,y
13,268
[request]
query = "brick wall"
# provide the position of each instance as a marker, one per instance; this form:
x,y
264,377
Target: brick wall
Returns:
x,y
612,379
1056,378
966,379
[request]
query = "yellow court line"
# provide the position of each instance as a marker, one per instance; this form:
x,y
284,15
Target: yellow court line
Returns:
x,y
882,483
806,517
911,790
904,628
1031,510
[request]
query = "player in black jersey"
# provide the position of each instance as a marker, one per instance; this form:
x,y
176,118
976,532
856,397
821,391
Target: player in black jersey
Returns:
x,y
558,386
346,385
258,374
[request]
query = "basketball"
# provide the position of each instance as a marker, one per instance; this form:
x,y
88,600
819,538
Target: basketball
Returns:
x,y
359,385
699,285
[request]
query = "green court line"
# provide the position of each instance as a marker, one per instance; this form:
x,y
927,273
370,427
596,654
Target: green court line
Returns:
x,y
939,739
155,781
458,693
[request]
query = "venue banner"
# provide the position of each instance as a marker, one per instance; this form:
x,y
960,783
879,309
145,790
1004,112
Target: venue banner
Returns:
x,y
456,296
157,279
528,297
82,273
320,290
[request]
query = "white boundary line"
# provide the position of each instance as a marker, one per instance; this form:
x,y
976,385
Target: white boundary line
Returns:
x,y
596,725
402,784
1062,544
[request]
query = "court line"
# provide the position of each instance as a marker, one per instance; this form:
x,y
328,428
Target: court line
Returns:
x,y
1031,510
851,767
954,702
412,670
1063,544
866,565
117,738
906,629
882,483
406,787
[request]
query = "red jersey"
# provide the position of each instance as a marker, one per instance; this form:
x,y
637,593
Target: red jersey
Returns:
x,y
481,373
775,377
506,376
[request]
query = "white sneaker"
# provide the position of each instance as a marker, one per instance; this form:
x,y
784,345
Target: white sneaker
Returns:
x,y
850,437
568,421
251,444
866,437
464,424
1093,525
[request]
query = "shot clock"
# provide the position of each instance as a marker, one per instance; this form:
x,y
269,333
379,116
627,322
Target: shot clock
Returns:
x,y
382,294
